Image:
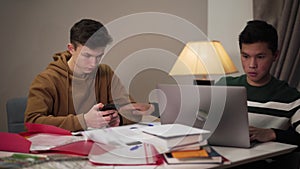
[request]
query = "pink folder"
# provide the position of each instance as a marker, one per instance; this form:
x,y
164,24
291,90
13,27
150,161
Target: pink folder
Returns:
x,y
18,143
33,128
14,142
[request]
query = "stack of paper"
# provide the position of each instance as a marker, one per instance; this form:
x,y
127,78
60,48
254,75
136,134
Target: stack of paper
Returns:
x,y
171,137
121,145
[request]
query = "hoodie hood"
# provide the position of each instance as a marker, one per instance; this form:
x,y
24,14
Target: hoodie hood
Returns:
x,y
60,64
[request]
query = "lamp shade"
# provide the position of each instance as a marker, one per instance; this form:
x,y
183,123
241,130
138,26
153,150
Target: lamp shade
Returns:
x,y
203,58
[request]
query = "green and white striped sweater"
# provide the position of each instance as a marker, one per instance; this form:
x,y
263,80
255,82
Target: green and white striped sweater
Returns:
x,y
274,105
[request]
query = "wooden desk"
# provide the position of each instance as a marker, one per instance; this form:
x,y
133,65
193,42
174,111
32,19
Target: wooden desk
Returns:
x,y
237,156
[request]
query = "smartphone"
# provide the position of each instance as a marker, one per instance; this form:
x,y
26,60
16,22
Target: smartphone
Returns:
x,y
109,107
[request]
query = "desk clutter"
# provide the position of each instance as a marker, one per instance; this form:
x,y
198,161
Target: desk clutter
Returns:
x,y
124,145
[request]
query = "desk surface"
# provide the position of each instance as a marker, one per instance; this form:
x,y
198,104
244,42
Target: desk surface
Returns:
x,y
237,156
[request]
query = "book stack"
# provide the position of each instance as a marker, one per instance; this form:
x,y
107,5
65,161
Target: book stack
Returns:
x,y
171,137
181,144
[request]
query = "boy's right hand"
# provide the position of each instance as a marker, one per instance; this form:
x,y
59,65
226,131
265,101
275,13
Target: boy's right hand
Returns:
x,y
99,119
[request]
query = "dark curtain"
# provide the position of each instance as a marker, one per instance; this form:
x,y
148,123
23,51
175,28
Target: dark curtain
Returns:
x,y
284,15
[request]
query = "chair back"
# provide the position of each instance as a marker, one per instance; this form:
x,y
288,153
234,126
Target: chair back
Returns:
x,y
15,108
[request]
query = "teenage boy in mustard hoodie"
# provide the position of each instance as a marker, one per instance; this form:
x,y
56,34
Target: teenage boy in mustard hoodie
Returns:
x,y
70,92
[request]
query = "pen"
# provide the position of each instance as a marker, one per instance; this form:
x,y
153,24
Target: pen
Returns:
x,y
146,124
135,147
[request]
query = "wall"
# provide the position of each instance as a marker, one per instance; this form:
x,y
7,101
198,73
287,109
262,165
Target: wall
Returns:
x,y
226,19
33,30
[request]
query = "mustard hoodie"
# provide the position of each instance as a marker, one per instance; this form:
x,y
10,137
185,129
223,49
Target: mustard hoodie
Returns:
x,y
57,97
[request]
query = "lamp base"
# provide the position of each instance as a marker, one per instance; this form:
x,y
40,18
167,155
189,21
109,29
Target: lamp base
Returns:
x,y
204,82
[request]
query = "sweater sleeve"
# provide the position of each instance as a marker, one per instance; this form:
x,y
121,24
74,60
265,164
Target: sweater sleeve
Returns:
x,y
221,82
289,136
41,106
292,134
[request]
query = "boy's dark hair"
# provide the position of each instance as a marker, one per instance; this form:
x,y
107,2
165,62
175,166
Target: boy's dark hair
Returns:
x,y
90,33
259,31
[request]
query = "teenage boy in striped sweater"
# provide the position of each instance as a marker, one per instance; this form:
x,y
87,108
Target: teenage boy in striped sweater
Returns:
x,y
273,106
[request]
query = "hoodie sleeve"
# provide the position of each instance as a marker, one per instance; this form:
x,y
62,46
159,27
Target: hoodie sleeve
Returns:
x,y
44,106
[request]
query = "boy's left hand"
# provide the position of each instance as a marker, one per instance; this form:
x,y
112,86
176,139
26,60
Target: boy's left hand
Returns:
x,y
261,134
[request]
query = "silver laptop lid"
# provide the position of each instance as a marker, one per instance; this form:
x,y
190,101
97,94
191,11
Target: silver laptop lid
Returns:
x,y
219,109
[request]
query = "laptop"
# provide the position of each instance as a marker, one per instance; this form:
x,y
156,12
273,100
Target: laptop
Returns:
x,y
219,109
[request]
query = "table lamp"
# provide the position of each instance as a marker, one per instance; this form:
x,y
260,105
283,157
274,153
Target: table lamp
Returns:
x,y
203,58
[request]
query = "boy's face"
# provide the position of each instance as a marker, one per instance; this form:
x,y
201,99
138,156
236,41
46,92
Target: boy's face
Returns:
x,y
86,59
257,60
